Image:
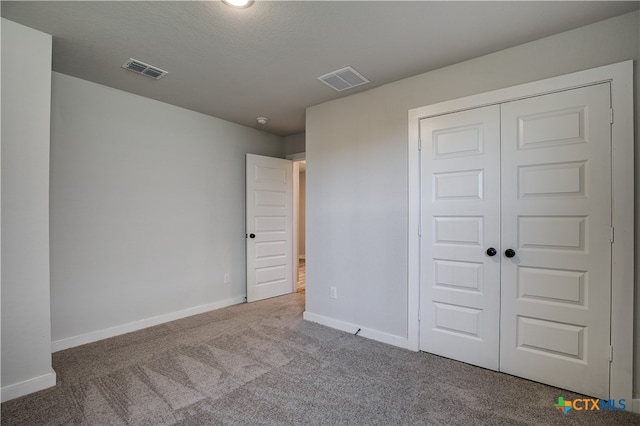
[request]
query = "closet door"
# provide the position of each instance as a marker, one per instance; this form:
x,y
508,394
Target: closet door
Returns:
x,y
460,221
556,217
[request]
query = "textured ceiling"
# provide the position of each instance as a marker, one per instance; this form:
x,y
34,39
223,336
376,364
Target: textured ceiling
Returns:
x,y
239,64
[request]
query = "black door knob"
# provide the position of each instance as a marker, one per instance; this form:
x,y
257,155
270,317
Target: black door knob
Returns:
x,y
509,253
491,251
252,235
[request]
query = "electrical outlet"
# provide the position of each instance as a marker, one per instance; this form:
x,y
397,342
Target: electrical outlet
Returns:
x,y
333,292
227,278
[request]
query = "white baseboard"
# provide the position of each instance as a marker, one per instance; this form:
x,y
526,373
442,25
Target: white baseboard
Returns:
x,y
380,336
28,386
94,336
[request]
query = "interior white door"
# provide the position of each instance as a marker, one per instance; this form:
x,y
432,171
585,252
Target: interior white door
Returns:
x,y
556,216
460,221
269,217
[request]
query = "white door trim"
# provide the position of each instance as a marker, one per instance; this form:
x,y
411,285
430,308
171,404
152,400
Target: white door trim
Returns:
x,y
296,158
622,280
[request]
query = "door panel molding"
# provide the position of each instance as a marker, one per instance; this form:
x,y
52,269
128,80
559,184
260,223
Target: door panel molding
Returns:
x,y
620,76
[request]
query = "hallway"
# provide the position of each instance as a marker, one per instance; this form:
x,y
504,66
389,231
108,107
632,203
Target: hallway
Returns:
x,y
302,276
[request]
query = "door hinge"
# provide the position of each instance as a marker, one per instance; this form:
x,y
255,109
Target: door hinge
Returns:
x,y
612,234
420,230
611,115
610,353
419,144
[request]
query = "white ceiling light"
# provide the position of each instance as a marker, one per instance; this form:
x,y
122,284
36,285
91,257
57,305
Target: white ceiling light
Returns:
x,y
262,120
238,3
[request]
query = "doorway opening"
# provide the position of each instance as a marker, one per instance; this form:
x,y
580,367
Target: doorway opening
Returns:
x,y
299,202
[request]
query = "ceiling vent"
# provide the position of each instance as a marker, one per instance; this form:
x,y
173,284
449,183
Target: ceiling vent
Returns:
x,y
144,69
343,79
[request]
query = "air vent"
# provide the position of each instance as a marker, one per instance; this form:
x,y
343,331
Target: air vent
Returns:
x,y
144,69
343,79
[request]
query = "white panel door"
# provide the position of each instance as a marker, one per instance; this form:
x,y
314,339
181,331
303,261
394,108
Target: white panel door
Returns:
x,y
269,227
556,216
460,221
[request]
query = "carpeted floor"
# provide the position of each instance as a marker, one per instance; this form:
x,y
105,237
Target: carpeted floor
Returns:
x,y
261,364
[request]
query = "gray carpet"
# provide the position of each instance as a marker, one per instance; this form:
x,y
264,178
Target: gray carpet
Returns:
x,y
261,364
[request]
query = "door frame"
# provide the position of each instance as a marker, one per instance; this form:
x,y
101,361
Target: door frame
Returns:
x,y
620,75
296,158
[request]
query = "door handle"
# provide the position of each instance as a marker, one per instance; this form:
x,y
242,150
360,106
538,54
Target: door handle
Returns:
x,y
252,235
509,253
491,251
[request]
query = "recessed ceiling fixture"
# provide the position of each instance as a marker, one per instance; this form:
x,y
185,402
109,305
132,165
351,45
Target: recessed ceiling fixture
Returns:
x,y
262,120
144,69
343,79
240,4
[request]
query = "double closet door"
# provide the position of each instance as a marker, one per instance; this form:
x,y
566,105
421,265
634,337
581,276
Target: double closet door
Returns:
x,y
516,238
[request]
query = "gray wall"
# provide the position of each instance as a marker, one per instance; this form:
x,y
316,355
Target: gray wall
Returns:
x,y
294,144
147,208
26,321
357,185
